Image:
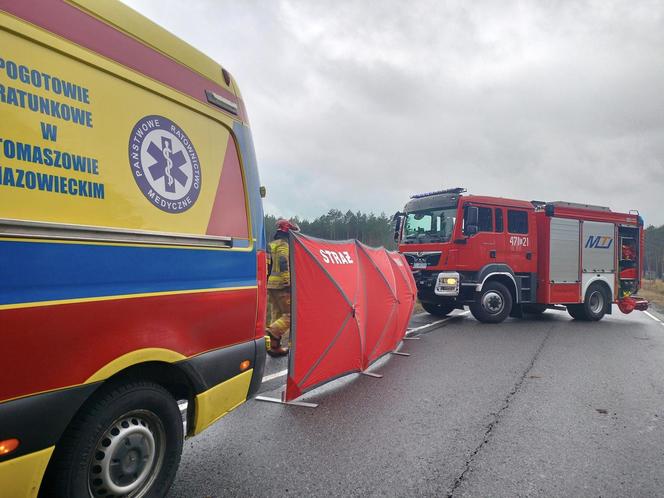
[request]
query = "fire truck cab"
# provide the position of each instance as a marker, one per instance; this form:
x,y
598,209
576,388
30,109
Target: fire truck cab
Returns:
x,y
505,257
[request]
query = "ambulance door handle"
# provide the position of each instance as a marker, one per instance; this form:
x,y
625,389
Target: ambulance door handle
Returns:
x,y
529,255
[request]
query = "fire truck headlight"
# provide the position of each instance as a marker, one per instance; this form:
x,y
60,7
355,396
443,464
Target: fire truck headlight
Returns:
x,y
447,284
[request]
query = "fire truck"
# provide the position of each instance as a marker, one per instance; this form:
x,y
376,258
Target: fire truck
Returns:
x,y
505,257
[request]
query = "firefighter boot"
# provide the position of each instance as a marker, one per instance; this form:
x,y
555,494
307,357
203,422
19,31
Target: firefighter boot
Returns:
x,y
275,348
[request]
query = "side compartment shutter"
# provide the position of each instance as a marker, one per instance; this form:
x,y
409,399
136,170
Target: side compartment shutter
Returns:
x,y
564,251
598,247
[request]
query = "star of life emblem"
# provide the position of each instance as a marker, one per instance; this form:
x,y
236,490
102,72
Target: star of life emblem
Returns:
x,y
164,164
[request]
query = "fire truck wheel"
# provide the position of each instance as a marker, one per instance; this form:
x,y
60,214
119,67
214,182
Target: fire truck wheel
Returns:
x,y
595,303
438,309
576,311
493,304
126,442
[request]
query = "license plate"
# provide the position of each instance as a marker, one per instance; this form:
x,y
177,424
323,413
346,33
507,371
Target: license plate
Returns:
x,y
419,265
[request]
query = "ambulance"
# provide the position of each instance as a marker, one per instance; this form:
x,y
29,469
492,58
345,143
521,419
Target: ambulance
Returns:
x,y
132,250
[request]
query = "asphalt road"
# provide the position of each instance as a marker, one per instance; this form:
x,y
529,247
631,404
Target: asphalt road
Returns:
x,y
542,406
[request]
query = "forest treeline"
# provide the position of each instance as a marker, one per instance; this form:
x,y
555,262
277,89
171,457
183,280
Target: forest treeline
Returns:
x,y
373,230
376,230
654,263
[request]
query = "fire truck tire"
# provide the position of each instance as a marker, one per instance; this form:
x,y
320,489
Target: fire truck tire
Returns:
x,y
438,309
126,442
596,302
594,305
492,304
576,311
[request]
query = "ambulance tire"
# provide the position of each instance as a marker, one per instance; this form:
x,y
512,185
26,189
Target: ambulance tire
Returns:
x,y
438,309
127,440
492,304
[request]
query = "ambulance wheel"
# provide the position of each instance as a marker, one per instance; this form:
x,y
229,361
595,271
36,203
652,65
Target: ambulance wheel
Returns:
x,y
126,442
438,309
493,304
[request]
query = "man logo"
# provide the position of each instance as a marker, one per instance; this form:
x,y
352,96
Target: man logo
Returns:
x,y
598,242
165,164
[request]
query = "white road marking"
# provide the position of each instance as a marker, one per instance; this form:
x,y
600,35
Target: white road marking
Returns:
x,y
275,375
410,331
283,373
653,317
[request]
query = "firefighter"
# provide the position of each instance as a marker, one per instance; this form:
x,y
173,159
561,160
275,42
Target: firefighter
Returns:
x,y
278,287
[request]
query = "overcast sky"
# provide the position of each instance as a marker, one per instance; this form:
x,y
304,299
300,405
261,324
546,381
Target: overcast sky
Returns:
x,y
357,105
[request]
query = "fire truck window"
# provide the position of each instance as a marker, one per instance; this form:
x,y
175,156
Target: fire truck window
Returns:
x,y
434,225
517,221
499,220
485,220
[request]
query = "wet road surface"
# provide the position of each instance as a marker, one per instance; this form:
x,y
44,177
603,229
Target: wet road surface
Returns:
x,y
540,406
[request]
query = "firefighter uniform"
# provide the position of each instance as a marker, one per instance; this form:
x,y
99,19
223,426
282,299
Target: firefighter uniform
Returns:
x,y
278,288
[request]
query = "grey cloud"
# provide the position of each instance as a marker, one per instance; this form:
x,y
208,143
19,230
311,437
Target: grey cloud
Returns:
x,y
360,104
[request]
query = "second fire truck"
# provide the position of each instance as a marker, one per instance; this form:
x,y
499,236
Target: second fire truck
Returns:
x,y
504,257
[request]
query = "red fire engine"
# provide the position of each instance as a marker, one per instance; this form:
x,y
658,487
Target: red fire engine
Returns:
x,y
504,257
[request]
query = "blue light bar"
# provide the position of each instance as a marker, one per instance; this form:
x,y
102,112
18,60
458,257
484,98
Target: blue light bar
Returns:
x,y
457,190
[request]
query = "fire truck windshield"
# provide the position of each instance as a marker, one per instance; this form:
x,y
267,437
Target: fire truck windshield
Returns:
x,y
431,225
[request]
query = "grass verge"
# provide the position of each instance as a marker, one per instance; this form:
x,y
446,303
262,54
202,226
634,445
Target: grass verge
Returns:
x,y
653,291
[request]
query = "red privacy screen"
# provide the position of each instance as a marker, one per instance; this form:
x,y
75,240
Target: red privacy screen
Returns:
x,y
351,304
406,290
382,306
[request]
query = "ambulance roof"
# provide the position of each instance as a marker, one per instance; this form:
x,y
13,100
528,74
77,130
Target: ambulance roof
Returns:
x,y
141,28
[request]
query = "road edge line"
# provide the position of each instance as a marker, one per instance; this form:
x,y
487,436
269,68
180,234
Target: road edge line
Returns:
x,y
654,318
270,377
436,324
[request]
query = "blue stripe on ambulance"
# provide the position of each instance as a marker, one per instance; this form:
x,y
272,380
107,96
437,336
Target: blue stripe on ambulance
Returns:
x,y
45,271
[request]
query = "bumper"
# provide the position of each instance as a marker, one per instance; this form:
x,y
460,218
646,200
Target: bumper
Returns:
x,y
22,476
214,403
219,384
38,421
224,397
631,303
